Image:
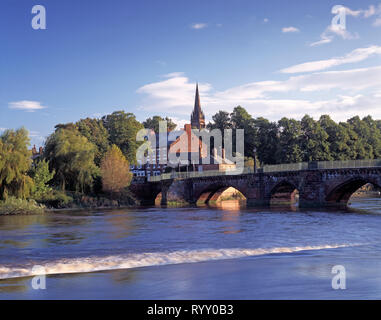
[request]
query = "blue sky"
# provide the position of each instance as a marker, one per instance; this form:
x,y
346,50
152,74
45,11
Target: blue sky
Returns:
x,y
275,58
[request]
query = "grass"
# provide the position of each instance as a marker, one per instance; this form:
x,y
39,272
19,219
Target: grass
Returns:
x,y
13,206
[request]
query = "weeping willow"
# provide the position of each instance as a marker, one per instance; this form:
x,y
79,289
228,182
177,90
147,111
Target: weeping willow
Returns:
x,y
15,161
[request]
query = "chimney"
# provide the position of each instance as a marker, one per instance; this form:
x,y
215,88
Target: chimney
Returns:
x,y
34,150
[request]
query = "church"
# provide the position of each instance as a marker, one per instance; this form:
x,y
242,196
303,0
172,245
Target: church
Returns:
x,y
188,146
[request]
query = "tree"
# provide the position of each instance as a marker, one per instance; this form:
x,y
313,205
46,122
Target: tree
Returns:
x,y
221,121
115,171
41,176
71,155
314,141
338,138
290,132
15,161
96,133
153,123
363,144
241,119
122,128
266,140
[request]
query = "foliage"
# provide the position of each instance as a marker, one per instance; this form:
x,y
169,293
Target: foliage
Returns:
x,y
41,176
122,128
12,206
153,123
71,155
241,119
56,199
291,141
14,164
115,171
96,133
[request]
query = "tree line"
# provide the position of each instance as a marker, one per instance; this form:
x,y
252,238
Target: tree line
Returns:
x,y
290,141
92,156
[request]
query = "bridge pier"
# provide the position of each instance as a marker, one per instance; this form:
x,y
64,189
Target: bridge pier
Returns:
x,y
252,203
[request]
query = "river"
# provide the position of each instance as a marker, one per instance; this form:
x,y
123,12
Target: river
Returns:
x,y
226,252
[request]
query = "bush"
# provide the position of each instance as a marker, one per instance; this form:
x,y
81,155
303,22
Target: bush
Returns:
x,y
56,199
12,206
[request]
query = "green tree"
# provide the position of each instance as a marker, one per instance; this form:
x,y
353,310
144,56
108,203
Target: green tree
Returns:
x,y
153,123
241,119
96,133
338,138
122,128
71,155
221,121
41,176
314,141
267,140
15,161
290,131
363,144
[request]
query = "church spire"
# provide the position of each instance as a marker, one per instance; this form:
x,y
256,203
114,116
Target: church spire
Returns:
x,y
197,117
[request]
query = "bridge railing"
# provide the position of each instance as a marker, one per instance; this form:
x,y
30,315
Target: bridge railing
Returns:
x,y
347,164
286,167
198,174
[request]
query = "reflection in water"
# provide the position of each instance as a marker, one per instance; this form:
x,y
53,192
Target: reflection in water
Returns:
x,y
15,285
64,238
122,224
124,276
231,214
21,221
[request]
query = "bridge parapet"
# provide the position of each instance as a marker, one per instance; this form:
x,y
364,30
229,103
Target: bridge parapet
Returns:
x,y
287,167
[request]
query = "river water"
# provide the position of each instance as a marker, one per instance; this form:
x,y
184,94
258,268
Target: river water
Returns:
x,y
227,252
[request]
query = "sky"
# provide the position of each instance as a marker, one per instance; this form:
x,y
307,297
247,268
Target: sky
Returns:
x,y
275,58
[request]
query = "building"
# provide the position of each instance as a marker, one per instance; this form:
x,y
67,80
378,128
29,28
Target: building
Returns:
x,y
186,145
37,154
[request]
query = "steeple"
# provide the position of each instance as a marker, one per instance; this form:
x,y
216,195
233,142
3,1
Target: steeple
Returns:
x,y
197,117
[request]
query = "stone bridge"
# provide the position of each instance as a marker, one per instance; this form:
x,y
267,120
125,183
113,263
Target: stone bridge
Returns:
x,y
317,183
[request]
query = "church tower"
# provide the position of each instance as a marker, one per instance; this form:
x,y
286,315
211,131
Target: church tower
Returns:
x,y
197,117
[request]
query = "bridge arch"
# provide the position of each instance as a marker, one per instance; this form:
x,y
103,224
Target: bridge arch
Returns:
x,y
341,193
284,192
213,192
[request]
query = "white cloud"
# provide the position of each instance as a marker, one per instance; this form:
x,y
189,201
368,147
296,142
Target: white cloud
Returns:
x,y
173,75
290,29
265,20
198,26
180,122
26,105
293,97
377,22
173,94
329,34
354,56
331,31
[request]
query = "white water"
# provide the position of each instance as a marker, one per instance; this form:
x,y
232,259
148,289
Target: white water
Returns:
x,y
92,264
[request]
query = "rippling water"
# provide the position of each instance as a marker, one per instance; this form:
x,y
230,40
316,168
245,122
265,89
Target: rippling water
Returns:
x,y
206,253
